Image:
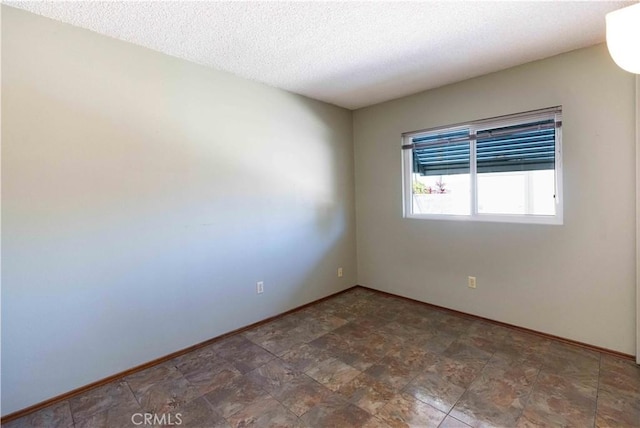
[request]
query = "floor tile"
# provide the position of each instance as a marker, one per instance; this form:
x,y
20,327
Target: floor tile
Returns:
x,y
302,394
586,372
432,389
464,349
234,396
265,412
559,401
356,356
195,414
100,399
620,376
127,415
166,397
460,373
454,325
572,352
375,422
572,360
303,356
205,378
378,344
359,358
243,354
358,329
327,405
405,411
205,369
393,372
543,416
451,422
332,373
485,336
141,382
336,308
325,322
369,322
330,343
273,376
279,342
423,319
414,357
436,342
278,325
362,352
564,386
196,359
335,412
524,347
497,397
617,409
55,416
403,333
367,393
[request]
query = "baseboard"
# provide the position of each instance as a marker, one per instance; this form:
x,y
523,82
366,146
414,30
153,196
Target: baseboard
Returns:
x,y
511,326
81,390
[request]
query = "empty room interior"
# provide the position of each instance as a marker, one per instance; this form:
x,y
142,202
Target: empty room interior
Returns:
x,y
320,214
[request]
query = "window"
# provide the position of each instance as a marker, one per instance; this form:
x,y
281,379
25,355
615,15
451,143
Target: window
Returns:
x,y
502,169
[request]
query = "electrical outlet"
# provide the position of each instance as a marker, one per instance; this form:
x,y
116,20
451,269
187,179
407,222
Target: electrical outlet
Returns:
x,y
339,272
472,282
259,287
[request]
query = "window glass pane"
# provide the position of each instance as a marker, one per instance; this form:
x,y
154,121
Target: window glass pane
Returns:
x,y
521,192
441,194
441,182
515,166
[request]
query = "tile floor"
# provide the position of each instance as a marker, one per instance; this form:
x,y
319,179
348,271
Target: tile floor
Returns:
x,y
364,359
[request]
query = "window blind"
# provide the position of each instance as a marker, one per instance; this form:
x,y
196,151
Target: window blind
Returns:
x,y
523,147
441,154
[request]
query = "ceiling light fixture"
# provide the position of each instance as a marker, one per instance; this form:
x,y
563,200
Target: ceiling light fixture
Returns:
x,y
623,37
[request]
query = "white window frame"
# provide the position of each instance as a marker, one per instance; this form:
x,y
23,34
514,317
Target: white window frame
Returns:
x,y
474,127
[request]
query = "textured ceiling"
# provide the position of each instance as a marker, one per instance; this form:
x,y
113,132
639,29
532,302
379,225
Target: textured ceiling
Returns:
x,y
351,54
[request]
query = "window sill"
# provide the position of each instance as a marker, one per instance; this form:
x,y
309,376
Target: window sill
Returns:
x,y
492,218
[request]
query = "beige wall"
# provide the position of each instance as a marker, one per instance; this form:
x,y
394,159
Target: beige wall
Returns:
x,y
576,280
142,198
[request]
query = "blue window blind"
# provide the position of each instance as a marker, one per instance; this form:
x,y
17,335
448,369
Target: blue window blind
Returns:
x,y
444,153
524,147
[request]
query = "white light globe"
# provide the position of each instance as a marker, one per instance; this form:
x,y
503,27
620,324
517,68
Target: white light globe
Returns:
x,y
623,37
